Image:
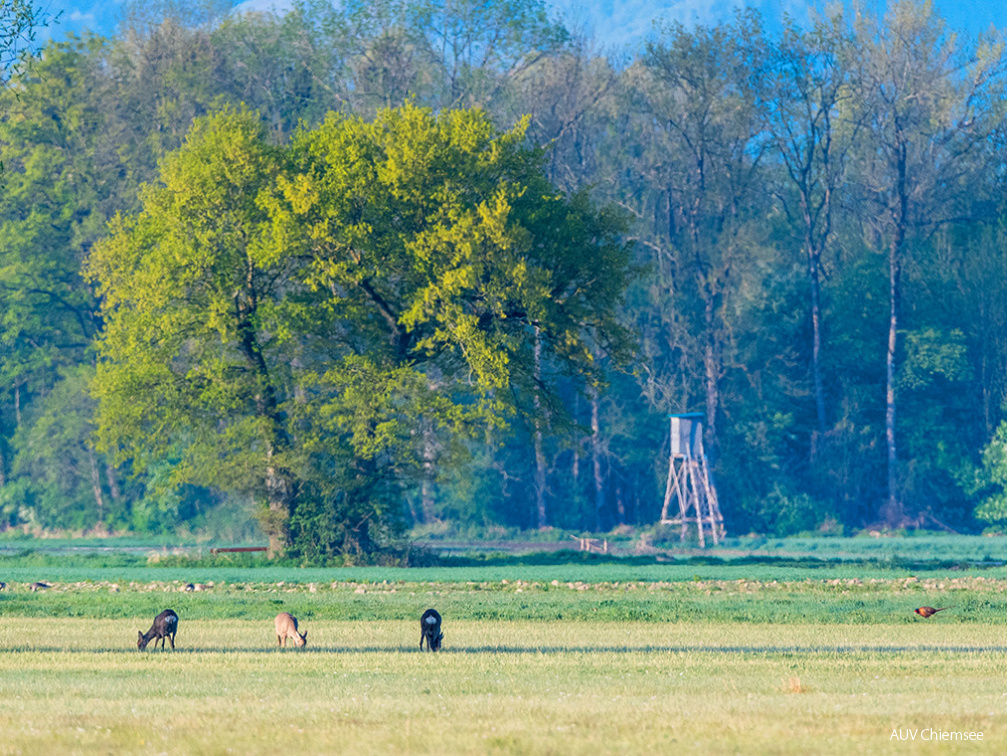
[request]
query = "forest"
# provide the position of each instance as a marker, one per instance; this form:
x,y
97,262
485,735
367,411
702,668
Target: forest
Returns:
x,y
357,269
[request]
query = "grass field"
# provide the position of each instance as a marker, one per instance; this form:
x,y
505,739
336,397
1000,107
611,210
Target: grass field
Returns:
x,y
513,687
568,659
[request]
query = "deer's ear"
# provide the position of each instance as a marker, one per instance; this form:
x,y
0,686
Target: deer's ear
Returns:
x,y
139,635
305,636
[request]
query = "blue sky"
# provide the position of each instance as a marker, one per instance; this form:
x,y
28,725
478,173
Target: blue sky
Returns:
x,y
615,23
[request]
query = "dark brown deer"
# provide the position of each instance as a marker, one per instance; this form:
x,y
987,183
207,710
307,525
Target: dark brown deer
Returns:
x,y
286,627
165,626
430,630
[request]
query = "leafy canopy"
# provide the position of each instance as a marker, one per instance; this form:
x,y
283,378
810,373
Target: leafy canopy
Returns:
x,y
305,322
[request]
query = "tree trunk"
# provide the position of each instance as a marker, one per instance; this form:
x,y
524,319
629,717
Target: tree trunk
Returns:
x,y
113,484
427,499
540,511
413,514
96,485
711,365
893,511
427,485
279,497
575,465
275,521
816,342
599,481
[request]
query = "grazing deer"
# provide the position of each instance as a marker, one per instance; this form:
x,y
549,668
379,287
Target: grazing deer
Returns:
x,y
286,627
430,630
165,626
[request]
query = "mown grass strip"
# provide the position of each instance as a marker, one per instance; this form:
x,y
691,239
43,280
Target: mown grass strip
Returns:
x,y
852,601
13,570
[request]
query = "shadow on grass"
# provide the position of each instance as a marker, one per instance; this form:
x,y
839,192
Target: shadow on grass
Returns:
x,y
532,650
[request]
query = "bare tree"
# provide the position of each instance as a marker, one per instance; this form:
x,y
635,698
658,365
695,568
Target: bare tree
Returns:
x,y
928,107
700,90
20,21
807,88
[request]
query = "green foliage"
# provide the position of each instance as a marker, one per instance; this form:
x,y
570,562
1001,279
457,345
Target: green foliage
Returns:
x,y
451,232
56,457
931,354
991,479
295,315
398,262
63,174
182,283
793,513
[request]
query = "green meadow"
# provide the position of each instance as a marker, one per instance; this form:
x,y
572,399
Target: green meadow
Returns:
x,y
608,658
500,687
822,600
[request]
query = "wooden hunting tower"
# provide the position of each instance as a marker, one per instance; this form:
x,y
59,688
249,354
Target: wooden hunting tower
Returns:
x,y
689,481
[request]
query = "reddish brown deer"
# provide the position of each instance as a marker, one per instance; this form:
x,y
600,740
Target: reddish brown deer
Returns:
x,y
430,630
165,626
286,627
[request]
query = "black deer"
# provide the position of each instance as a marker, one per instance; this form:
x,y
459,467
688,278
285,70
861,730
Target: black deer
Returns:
x,y
165,626
430,630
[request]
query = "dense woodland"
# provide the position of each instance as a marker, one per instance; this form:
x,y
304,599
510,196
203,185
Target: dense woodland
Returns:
x,y
799,233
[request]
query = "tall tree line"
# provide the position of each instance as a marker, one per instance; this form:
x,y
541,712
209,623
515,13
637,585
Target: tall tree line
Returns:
x,y
815,213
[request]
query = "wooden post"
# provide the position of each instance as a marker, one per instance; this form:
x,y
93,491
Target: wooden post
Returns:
x,y
711,502
668,486
708,515
691,473
683,500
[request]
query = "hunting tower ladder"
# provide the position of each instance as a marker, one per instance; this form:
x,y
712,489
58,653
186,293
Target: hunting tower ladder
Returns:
x,y
689,481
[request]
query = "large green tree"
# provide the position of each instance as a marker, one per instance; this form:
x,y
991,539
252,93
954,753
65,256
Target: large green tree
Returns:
x,y
297,322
